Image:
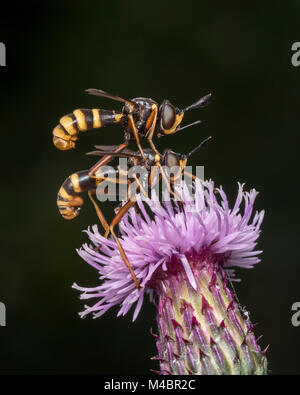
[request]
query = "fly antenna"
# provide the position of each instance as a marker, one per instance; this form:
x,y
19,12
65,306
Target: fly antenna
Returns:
x,y
201,103
200,146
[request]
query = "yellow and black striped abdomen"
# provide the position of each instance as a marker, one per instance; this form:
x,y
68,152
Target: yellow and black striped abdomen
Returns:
x,y
66,132
68,199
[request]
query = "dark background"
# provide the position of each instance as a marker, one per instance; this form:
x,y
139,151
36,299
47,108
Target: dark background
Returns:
x,y
176,50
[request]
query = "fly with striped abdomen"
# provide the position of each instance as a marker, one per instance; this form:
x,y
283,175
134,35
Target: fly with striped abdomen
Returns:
x,y
140,117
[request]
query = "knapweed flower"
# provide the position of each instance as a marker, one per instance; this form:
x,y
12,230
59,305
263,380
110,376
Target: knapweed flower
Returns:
x,y
184,257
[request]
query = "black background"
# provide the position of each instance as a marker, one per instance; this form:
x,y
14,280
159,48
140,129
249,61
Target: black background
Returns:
x,y
241,52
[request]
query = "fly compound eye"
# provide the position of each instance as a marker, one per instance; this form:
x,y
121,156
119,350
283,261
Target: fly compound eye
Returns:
x,y
168,116
171,160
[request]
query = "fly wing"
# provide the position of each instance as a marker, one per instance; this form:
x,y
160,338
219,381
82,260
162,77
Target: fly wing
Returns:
x,y
123,154
112,148
99,92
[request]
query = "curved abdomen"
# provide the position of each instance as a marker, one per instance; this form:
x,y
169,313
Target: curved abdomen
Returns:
x,y
68,200
81,120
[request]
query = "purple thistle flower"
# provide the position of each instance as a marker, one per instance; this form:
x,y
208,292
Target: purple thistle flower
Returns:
x,y
183,257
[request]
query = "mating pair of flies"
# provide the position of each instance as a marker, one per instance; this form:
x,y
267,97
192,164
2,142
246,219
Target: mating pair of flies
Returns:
x,y
140,117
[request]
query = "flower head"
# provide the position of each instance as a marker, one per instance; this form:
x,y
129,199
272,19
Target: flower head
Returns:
x,y
175,238
182,254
